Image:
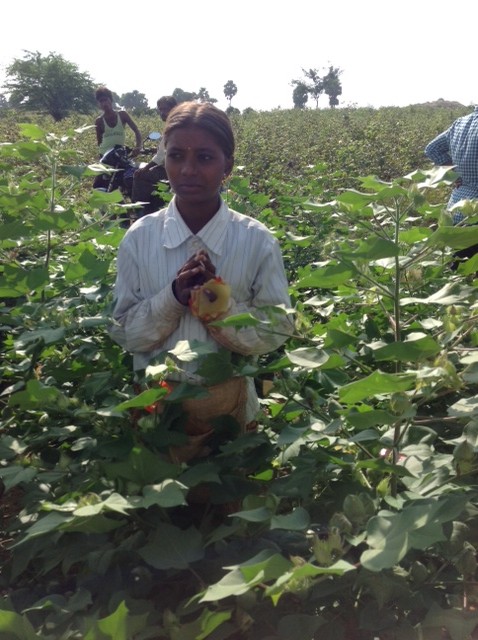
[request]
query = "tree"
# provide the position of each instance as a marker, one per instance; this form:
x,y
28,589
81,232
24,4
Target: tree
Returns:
x,y
332,85
49,84
184,96
134,101
315,85
203,96
230,90
3,102
300,95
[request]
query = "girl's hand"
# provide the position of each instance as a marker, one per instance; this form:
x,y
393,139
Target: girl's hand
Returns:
x,y
195,272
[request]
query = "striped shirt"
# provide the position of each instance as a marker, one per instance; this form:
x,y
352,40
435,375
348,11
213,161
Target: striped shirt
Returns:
x,y
149,319
458,146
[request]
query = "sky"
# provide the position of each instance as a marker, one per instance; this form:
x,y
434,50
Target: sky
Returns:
x,y
390,52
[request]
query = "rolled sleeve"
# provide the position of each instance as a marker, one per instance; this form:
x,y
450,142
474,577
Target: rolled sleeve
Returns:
x,y
438,150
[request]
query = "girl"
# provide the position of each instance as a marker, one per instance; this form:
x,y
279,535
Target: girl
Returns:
x,y
197,261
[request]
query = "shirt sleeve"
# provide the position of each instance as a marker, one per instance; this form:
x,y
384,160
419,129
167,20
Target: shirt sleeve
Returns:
x,y
270,289
160,154
141,325
438,150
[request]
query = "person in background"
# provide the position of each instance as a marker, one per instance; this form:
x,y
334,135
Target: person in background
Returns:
x,y
110,129
458,147
146,178
196,261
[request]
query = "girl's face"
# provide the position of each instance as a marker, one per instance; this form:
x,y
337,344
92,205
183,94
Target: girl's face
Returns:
x,y
196,166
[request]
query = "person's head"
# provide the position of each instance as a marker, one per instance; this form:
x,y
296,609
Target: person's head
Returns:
x,y
203,115
199,144
164,105
104,98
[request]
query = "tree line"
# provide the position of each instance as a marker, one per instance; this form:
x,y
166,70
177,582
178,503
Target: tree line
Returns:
x,y
314,85
50,84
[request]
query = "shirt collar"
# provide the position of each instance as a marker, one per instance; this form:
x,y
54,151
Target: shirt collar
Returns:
x,y
212,234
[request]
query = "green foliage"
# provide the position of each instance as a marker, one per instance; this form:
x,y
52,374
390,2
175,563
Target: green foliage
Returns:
x,y
230,90
314,85
184,96
332,85
49,84
203,96
350,514
135,102
300,95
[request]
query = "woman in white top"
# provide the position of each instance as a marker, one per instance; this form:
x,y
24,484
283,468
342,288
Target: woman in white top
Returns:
x,y
196,261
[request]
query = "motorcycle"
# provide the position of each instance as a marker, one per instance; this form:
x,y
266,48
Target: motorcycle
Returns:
x,y
124,165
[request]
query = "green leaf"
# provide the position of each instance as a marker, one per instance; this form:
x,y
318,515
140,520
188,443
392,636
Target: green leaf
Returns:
x,y
99,199
114,502
355,198
92,524
216,367
308,357
211,620
27,280
455,237
338,339
144,399
464,408
372,249
32,131
120,625
201,627
16,626
366,419
297,520
451,293
89,267
459,624
38,394
418,526
201,472
143,467
263,567
409,351
16,474
299,625
238,321
375,384
169,493
326,277
48,336
46,524
173,548
305,571
261,514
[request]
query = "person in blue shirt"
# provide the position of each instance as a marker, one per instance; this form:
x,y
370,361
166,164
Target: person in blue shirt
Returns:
x,y
458,147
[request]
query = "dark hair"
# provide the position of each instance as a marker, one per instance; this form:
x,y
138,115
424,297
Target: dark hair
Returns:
x,y
168,101
103,92
205,116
